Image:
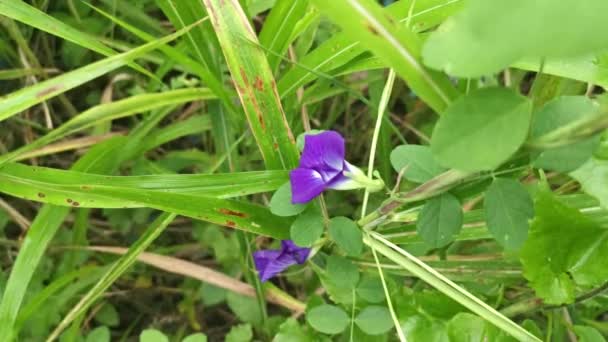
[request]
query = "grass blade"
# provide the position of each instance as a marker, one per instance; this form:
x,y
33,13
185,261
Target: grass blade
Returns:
x,y
254,82
446,286
398,46
25,98
113,110
120,267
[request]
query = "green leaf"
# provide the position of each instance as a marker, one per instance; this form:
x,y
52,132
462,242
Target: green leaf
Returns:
x,y
328,319
555,114
417,161
280,203
198,337
245,308
307,227
108,315
588,334
466,327
346,234
370,288
152,335
482,39
240,333
374,320
508,207
593,176
291,331
482,129
440,220
564,249
342,273
398,46
99,334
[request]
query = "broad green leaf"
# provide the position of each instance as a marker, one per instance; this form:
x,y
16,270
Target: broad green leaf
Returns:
x,y
229,213
108,315
482,39
346,234
555,114
328,319
508,207
280,203
27,97
370,289
593,176
307,227
245,308
422,328
111,111
588,334
440,220
396,45
152,335
198,337
117,269
374,320
99,334
564,249
240,333
254,82
291,331
342,273
482,129
466,327
417,161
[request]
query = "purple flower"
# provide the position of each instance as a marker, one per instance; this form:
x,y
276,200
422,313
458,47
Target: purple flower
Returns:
x,y
271,262
322,166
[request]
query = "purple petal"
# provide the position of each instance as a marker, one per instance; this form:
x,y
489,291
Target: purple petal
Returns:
x,y
324,152
271,262
306,184
299,253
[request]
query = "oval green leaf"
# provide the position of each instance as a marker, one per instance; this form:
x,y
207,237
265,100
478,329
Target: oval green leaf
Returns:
x,y
417,161
280,203
440,220
328,319
374,320
307,228
481,130
346,234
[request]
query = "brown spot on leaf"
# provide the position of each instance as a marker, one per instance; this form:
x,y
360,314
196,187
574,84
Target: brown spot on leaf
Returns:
x,y
258,84
230,212
69,200
244,75
41,195
47,91
371,28
275,145
75,203
85,187
230,223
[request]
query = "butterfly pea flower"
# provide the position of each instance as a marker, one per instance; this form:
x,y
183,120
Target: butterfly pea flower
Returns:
x,y
272,262
322,166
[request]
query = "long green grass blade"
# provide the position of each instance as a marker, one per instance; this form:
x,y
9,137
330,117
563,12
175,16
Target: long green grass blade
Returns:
x,y
254,82
111,111
25,98
446,286
83,185
398,46
27,14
